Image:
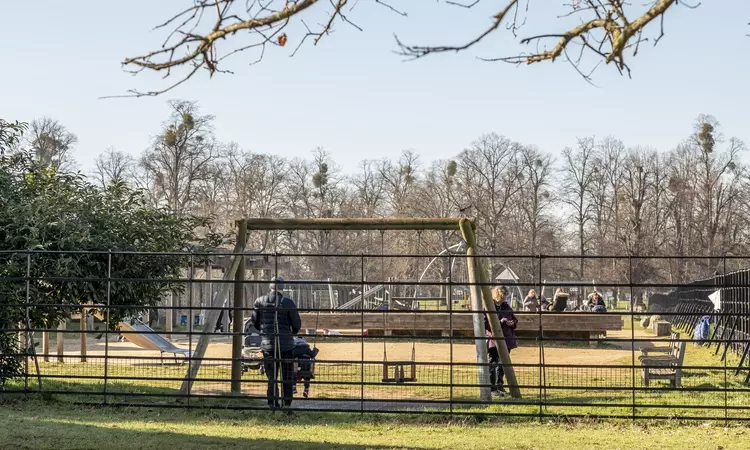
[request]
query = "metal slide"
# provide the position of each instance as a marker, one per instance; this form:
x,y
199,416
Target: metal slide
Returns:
x,y
145,337
351,304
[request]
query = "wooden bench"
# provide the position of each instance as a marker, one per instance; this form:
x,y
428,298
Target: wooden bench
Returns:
x,y
664,367
649,347
593,325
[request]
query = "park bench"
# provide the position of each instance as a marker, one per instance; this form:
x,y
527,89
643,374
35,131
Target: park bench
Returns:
x,y
649,347
665,366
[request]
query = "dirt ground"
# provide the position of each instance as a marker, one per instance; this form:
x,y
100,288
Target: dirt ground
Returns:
x,y
330,349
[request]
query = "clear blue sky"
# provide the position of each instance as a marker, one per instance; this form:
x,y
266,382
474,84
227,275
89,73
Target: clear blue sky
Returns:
x,y
354,96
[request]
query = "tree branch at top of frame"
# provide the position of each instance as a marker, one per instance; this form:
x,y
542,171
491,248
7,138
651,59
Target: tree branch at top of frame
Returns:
x,y
207,33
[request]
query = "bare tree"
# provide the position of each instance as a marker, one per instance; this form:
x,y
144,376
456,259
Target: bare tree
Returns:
x,y
204,35
489,181
180,156
579,175
719,176
255,183
400,179
536,169
316,189
52,143
370,188
112,167
209,189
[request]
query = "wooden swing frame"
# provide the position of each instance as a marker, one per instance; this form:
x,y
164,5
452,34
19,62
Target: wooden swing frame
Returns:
x,y
480,294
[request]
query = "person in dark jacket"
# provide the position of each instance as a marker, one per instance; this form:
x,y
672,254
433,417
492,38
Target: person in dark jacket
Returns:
x,y
596,302
508,323
277,319
559,301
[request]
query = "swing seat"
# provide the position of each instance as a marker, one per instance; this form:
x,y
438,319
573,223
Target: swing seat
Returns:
x,y
399,372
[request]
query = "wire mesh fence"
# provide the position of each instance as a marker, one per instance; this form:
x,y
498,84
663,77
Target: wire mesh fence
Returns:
x,y
389,335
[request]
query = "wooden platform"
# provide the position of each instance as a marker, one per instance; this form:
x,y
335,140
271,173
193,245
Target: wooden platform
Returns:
x,y
424,323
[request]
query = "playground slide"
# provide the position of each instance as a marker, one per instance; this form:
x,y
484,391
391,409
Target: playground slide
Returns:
x,y
144,336
358,299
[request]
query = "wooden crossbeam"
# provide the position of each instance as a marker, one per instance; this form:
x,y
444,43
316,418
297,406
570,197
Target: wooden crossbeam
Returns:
x,y
265,223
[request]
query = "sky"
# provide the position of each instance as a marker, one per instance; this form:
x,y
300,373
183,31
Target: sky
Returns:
x,y
354,96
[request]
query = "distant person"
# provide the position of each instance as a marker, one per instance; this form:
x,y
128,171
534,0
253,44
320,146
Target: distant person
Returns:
x,y
277,319
508,324
702,330
596,302
559,301
220,322
532,303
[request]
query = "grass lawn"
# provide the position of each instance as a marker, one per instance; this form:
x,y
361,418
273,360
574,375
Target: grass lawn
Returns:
x,y
38,425
570,390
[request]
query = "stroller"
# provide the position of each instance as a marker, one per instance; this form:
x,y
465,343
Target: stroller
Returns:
x,y
252,355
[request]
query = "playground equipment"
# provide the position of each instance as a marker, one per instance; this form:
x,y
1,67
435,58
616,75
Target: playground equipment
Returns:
x,y
399,375
145,337
358,300
481,296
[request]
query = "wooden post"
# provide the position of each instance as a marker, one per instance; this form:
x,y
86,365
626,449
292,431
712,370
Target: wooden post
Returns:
x,y
83,336
60,342
211,317
483,370
237,319
45,345
169,316
468,234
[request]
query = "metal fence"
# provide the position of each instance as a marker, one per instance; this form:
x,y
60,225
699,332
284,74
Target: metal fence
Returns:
x,y
408,345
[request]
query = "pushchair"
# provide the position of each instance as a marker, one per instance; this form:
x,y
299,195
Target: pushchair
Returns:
x,y
252,355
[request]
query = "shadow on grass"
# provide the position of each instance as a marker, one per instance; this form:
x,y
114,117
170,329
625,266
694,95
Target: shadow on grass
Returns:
x,y
48,433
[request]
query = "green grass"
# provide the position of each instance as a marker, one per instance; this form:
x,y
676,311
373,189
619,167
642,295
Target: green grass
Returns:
x,y
38,425
584,391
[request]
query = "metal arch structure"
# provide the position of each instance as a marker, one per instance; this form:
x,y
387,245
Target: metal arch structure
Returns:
x,y
460,249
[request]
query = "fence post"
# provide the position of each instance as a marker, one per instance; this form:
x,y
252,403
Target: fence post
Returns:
x,y
542,371
106,324
239,305
362,332
632,330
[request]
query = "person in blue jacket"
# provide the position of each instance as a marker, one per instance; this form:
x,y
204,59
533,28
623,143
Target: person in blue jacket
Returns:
x,y
277,319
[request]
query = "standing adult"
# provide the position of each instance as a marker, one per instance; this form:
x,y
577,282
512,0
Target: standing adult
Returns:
x,y
508,323
277,319
532,302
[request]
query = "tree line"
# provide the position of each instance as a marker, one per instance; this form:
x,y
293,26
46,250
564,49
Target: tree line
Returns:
x,y
597,197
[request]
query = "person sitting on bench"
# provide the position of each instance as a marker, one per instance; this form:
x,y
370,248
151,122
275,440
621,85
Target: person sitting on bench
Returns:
x,y
596,302
559,301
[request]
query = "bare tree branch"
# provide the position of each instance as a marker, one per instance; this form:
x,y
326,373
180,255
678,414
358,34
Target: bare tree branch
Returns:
x,y
419,51
608,28
400,13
